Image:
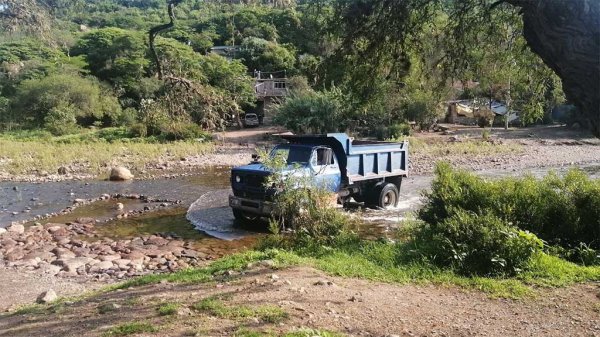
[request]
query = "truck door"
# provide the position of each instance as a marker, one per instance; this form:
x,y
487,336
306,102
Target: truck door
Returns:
x,y
326,169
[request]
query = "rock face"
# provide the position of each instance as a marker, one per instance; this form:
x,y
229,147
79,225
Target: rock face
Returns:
x,y
47,297
120,174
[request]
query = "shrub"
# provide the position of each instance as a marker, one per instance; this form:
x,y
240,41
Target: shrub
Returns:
x,y
313,112
477,244
563,211
303,207
182,131
61,120
399,130
82,98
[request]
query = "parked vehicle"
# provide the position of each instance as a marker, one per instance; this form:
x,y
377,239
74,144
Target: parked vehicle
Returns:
x,y
251,119
368,171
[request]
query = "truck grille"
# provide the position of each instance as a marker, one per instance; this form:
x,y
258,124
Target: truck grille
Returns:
x,y
254,180
251,186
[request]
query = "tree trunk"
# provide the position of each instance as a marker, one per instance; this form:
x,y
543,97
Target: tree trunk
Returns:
x,y
566,35
154,31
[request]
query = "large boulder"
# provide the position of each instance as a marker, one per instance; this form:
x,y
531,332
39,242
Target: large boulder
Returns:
x,y
120,174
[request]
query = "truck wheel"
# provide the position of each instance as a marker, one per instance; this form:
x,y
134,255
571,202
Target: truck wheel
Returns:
x,y
244,217
387,196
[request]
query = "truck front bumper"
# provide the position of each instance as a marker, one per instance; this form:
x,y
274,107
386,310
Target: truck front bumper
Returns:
x,y
259,207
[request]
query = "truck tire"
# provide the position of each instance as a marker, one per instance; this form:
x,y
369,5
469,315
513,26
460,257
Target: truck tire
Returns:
x,y
386,196
244,218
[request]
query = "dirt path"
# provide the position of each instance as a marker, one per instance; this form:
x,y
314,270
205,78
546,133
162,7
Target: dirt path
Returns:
x,y
23,287
311,299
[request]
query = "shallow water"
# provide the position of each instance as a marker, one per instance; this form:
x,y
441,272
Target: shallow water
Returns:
x,y
30,199
204,213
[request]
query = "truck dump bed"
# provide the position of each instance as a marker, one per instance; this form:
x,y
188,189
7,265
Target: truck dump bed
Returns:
x,y
362,160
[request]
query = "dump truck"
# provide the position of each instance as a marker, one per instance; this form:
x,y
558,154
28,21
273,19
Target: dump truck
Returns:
x,y
366,171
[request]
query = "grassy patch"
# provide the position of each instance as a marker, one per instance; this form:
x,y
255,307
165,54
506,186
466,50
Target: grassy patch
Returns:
x,y
92,152
167,309
202,275
216,307
130,329
383,262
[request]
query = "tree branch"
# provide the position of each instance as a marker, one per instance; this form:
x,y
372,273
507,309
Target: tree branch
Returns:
x,y
153,33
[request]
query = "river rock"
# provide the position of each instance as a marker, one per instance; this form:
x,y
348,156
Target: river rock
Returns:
x,y
14,254
62,170
110,258
71,265
120,174
102,266
63,253
19,229
47,297
134,256
2,231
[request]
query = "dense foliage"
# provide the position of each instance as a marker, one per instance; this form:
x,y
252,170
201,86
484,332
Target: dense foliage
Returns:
x,y
355,86
561,211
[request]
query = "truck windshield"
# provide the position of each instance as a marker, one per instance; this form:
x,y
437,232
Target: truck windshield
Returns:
x,y
293,154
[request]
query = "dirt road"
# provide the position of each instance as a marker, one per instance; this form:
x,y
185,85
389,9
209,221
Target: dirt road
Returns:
x,y
314,300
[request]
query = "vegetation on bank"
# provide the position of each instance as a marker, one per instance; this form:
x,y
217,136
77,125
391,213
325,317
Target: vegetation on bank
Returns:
x,y
91,152
450,244
87,63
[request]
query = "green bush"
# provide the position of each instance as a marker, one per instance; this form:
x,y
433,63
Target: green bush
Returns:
x,y
561,211
399,130
60,120
477,244
313,112
48,100
182,131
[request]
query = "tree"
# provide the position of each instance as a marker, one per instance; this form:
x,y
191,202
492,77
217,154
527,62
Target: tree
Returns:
x,y
266,56
564,34
114,55
23,15
64,99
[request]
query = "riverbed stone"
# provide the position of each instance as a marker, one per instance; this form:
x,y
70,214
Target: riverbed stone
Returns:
x,y
63,253
47,297
120,173
14,254
39,254
2,231
62,170
122,263
72,264
101,266
16,228
111,257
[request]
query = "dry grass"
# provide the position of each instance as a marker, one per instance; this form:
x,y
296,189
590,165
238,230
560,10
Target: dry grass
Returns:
x,y
471,147
30,156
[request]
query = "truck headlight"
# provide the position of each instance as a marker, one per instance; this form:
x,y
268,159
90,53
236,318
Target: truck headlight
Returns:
x,y
238,179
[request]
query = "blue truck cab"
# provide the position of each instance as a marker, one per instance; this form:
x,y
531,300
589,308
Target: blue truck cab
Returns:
x,y
367,171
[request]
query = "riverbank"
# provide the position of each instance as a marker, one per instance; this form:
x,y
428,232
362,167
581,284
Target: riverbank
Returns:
x,y
263,299
464,147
